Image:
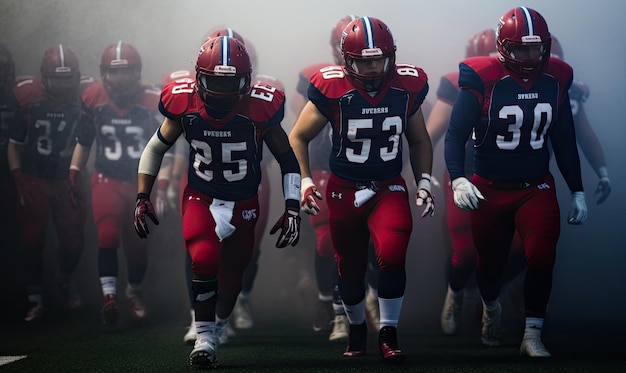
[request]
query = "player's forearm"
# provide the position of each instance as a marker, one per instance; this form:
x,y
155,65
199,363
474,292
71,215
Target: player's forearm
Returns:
x,y
79,157
145,183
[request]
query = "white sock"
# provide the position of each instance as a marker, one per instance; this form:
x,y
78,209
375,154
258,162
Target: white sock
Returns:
x,y
390,311
534,323
338,309
325,298
355,312
109,285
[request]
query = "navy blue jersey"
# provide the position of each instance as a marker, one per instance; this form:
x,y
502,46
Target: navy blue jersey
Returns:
x,y
366,131
45,130
121,134
224,154
512,121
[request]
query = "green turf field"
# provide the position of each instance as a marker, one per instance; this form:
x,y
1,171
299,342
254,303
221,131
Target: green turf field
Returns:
x,y
81,345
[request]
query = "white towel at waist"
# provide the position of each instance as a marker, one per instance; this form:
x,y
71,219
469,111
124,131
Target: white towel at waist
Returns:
x,y
222,212
362,196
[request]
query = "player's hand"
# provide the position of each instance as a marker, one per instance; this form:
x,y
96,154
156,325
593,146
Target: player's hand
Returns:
x,y
161,205
425,198
23,187
604,189
75,190
308,193
289,226
466,195
577,209
144,208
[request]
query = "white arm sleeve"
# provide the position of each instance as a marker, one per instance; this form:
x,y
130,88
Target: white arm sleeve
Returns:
x,y
152,155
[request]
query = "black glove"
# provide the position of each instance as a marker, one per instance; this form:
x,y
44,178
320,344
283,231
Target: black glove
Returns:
x,y
289,225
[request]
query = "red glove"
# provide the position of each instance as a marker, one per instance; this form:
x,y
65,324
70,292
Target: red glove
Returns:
x,y
76,191
289,225
144,208
161,204
23,189
308,193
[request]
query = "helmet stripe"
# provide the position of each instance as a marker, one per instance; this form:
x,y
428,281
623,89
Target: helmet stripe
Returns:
x,y
61,56
118,50
369,36
224,50
529,21
230,32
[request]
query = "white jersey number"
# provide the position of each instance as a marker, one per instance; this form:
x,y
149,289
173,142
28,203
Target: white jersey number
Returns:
x,y
203,159
390,124
537,138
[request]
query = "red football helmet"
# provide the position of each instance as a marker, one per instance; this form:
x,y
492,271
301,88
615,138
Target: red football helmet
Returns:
x,y
523,31
60,74
7,69
555,49
368,38
227,31
120,68
481,44
335,37
223,73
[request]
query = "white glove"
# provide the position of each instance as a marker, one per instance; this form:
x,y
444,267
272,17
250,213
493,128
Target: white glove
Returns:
x,y
425,197
466,195
577,209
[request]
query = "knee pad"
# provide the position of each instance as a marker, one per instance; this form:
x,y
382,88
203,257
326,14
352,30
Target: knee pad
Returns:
x,y
203,287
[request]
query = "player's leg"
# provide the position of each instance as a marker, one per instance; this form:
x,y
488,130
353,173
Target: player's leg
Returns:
x,y
538,221
34,220
107,206
390,224
69,221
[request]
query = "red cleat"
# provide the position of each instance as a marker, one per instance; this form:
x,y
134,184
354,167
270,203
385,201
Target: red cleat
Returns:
x,y
388,345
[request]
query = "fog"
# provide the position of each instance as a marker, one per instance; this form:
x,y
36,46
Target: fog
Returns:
x,y
589,281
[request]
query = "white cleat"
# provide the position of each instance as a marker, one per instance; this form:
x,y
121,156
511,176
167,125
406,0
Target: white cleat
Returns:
x,y
243,314
340,329
451,312
224,332
190,336
490,331
203,355
532,347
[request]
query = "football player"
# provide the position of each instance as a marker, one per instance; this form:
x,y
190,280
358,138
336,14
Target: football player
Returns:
x,y
225,120
40,148
370,103
330,309
514,103
120,114
462,262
